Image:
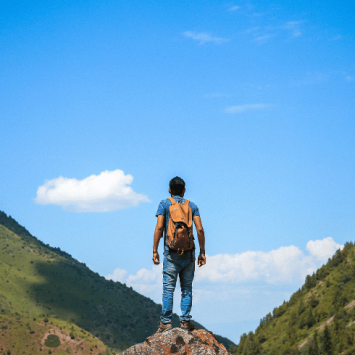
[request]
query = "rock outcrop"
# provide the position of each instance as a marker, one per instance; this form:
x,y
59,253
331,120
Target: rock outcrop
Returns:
x,y
179,342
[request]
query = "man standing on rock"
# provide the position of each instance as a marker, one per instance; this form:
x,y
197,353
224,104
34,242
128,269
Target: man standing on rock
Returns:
x,y
175,216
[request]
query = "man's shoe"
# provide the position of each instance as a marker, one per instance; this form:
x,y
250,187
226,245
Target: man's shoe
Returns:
x,y
187,325
163,327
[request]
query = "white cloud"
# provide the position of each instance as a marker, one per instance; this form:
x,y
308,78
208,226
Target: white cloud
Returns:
x,y
336,38
252,30
117,275
322,250
146,276
107,191
234,8
281,265
285,265
311,78
349,78
294,27
146,282
263,38
264,33
203,37
245,108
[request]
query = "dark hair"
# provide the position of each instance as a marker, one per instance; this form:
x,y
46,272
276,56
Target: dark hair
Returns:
x,y
177,186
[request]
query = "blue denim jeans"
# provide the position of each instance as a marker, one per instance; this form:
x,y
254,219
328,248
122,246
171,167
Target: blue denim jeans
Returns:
x,y
184,266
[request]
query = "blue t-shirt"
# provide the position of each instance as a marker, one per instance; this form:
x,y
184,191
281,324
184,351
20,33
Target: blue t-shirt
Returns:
x,y
163,210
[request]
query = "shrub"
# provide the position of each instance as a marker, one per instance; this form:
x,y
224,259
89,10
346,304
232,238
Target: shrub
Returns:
x,y
313,302
345,278
309,320
311,281
337,258
301,308
52,341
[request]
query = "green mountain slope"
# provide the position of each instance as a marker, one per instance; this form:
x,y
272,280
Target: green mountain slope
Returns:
x,y
30,336
38,281
318,319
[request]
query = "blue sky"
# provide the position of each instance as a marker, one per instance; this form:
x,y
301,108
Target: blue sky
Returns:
x,y
252,103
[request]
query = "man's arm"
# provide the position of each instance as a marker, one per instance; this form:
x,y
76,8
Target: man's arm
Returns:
x,y
201,240
159,229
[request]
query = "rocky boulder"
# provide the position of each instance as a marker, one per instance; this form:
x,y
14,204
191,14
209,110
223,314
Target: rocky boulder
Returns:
x,y
179,342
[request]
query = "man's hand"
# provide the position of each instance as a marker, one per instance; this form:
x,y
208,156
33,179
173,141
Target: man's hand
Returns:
x,y
156,259
201,240
201,260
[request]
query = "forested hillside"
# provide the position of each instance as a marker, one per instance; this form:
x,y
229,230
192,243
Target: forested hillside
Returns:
x,y
318,319
44,283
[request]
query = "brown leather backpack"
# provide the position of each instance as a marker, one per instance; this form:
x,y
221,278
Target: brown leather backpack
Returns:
x,y
179,235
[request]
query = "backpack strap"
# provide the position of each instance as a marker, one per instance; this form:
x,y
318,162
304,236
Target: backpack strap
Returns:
x,y
187,202
171,200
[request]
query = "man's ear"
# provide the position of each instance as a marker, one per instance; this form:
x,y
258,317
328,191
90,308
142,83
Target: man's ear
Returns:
x,y
169,191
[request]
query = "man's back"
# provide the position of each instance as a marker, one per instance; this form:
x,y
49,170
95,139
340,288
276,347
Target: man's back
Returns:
x,y
164,210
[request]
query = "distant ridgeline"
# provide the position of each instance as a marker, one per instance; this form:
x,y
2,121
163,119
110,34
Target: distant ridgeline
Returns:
x,y
13,226
41,282
318,319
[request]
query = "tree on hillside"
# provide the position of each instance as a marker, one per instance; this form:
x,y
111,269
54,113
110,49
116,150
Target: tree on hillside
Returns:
x,y
313,348
327,346
233,349
252,346
310,321
242,342
311,281
337,258
301,307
